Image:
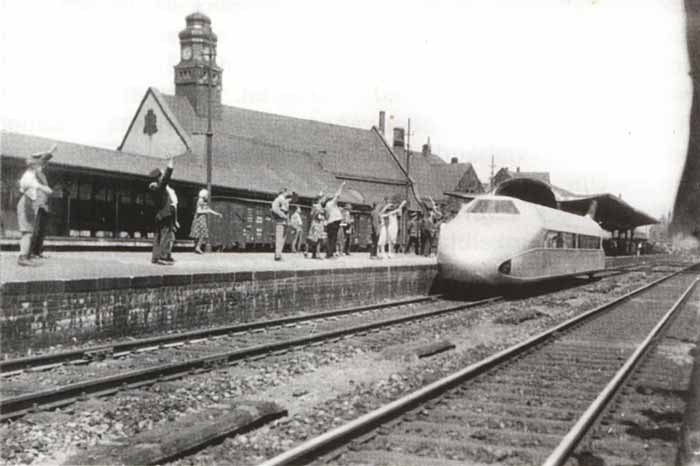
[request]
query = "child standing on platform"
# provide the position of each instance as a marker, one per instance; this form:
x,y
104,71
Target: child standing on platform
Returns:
x,y
200,226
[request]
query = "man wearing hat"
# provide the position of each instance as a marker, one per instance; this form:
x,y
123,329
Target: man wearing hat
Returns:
x,y
164,219
41,205
29,187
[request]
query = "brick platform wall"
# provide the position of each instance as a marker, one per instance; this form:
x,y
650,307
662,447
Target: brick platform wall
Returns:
x,y
36,315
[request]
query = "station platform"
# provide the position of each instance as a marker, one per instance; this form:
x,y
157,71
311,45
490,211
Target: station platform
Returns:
x,y
79,265
76,297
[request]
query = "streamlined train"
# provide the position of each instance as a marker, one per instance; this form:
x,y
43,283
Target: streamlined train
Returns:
x,y
501,240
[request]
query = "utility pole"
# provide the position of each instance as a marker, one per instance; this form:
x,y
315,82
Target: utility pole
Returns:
x,y
210,133
408,184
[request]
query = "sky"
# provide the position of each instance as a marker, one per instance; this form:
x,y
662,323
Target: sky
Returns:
x,y
597,92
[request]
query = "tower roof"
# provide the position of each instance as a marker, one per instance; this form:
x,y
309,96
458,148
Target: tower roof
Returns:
x,y
197,17
198,26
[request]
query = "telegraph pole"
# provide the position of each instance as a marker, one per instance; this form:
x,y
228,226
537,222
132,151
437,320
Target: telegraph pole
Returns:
x,y
210,133
408,184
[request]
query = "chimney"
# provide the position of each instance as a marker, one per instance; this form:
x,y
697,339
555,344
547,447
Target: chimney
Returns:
x,y
382,122
399,134
454,160
426,150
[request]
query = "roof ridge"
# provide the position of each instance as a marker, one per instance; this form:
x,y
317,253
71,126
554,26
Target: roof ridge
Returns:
x,y
224,106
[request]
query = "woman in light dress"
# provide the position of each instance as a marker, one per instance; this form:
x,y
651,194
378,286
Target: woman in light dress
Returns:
x,y
200,228
389,229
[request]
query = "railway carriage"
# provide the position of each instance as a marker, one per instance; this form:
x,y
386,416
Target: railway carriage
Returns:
x,y
501,240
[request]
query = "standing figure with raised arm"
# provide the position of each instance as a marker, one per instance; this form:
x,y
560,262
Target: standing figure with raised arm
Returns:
x,y
164,219
200,224
429,227
333,219
392,229
381,241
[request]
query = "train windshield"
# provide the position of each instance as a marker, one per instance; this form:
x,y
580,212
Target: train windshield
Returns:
x,y
493,206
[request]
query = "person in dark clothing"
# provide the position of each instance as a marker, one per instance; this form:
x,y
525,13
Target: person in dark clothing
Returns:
x,y
376,226
346,224
414,234
429,227
333,218
41,207
164,220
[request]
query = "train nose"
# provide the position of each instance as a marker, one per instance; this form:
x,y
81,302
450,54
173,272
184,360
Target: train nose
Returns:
x,y
468,266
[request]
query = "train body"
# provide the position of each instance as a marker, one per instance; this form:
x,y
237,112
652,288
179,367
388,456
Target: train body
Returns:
x,y
502,240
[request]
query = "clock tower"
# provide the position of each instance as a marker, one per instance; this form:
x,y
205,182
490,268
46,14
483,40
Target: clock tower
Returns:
x,y
197,58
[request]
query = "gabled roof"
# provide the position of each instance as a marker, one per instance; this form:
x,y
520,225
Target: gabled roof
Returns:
x,y
240,164
342,150
170,115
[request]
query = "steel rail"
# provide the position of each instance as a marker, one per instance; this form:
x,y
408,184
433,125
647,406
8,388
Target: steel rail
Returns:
x,y
12,366
18,364
561,453
52,398
367,422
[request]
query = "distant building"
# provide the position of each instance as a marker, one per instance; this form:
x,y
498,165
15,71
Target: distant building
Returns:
x,y
433,176
506,173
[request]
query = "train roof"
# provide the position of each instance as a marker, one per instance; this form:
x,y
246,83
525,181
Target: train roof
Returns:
x,y
611,212
554,219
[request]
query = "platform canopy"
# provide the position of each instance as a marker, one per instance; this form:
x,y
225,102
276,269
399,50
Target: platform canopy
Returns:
x,y
610,211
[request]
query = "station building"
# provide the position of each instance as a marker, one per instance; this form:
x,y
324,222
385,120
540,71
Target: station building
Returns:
x,y
100,194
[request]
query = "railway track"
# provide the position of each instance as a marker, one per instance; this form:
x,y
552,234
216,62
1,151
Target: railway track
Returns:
x,y
530,404
10,367
191,352
205,357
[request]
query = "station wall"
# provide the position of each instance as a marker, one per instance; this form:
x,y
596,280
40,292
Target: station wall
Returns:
x,y
36,315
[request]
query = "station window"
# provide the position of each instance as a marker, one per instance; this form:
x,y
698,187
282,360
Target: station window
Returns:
x,y
85,190
493,206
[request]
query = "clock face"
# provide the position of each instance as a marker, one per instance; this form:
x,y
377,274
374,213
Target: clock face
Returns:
x,y
187,53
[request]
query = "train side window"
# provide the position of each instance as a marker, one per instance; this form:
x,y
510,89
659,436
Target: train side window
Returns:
x,y
568,240
550,239
589,242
